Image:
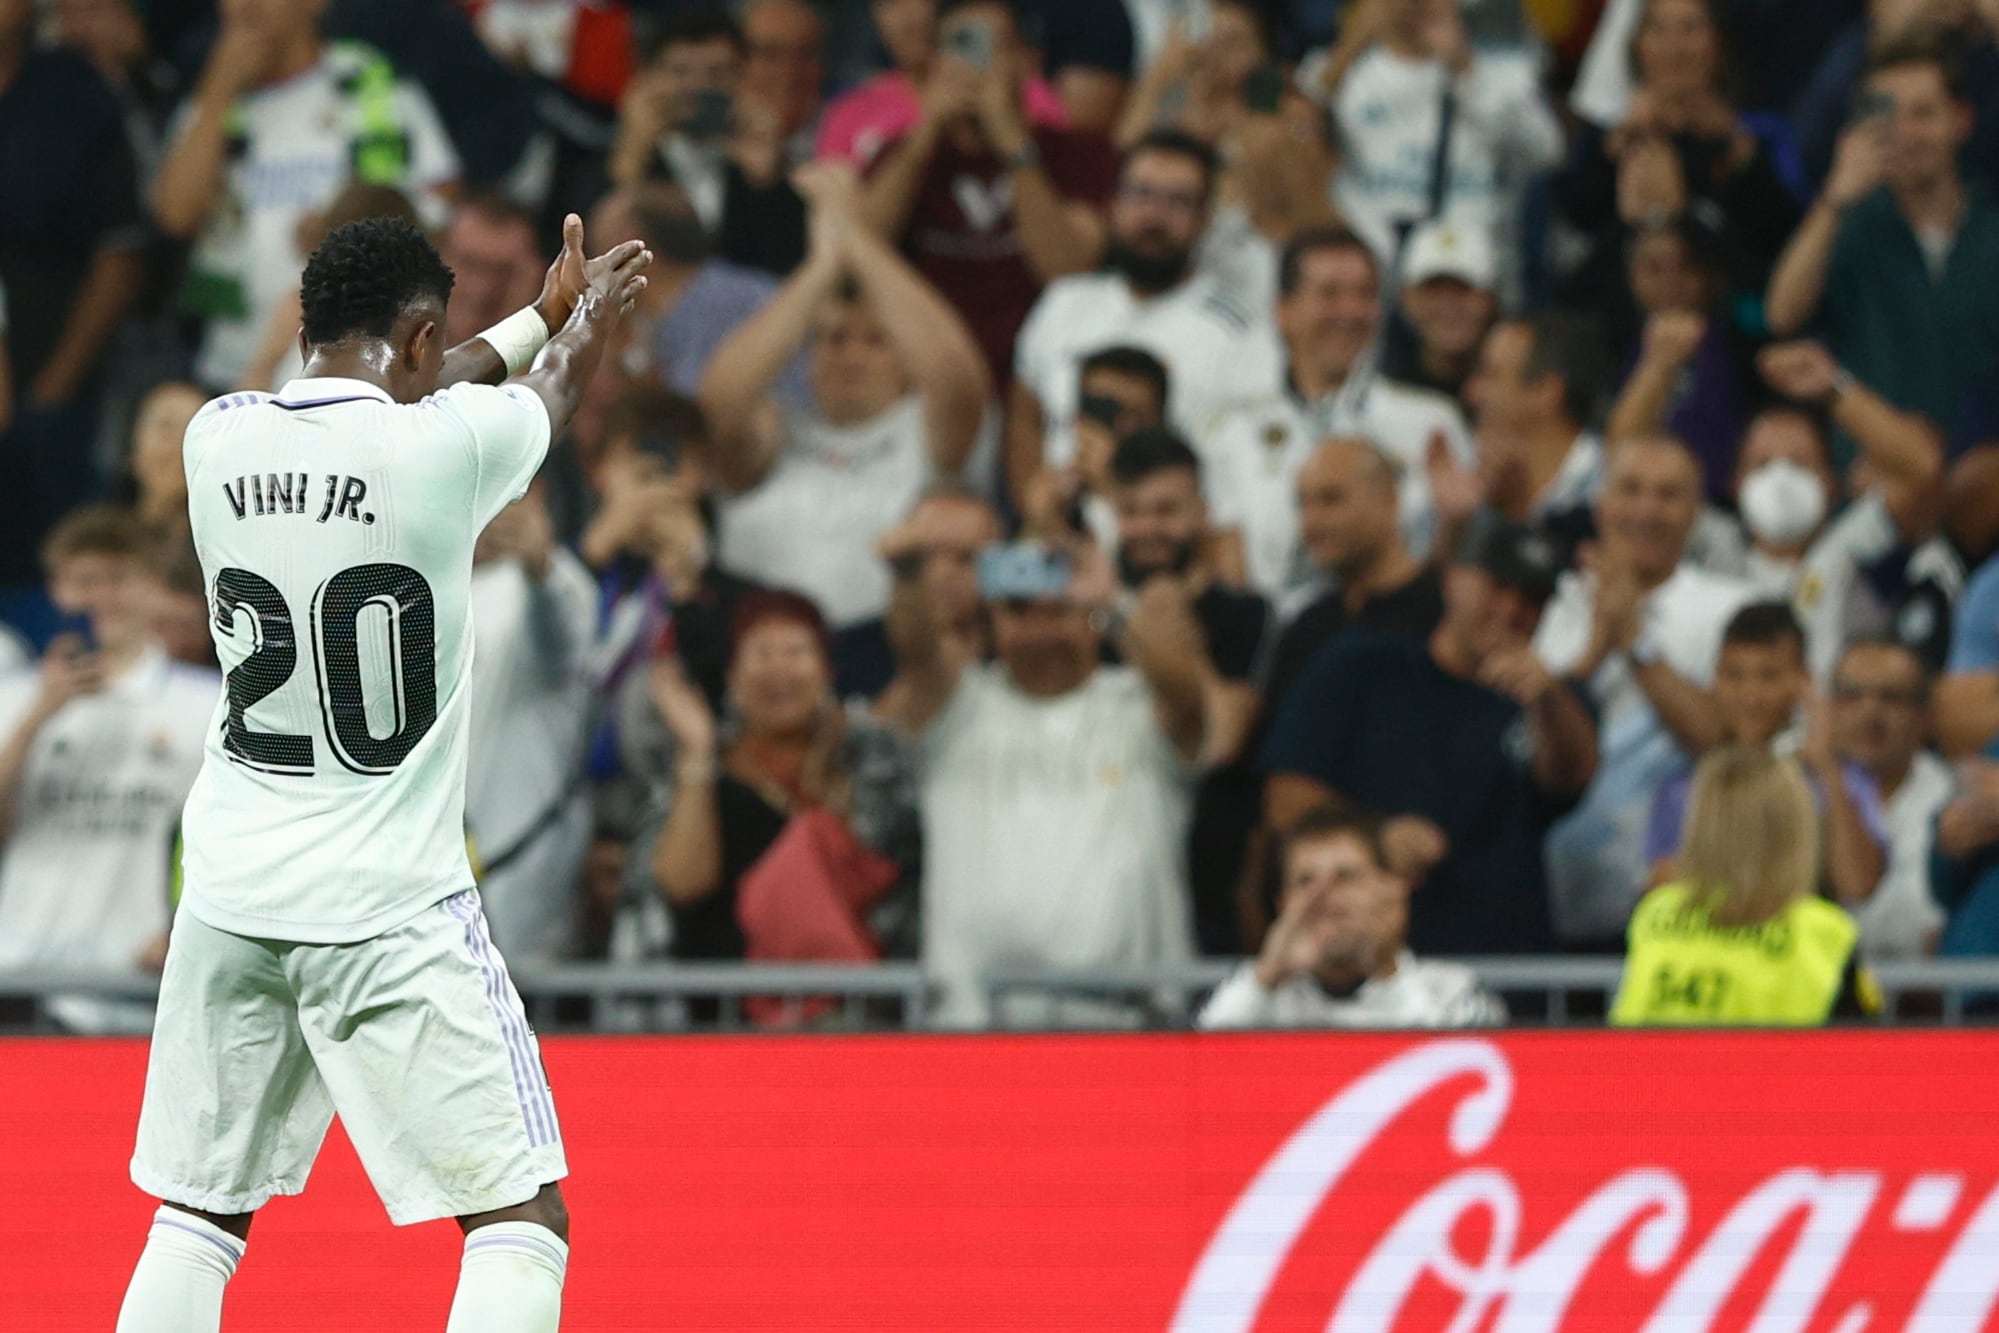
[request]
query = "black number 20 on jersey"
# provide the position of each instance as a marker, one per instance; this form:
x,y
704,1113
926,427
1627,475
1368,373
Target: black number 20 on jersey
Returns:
x,y
335,636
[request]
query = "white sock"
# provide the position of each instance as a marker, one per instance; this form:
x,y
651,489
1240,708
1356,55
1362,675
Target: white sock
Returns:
x,y
510,1280
177,1287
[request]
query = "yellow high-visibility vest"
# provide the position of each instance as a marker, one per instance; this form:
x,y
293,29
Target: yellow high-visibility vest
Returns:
x,y
1683,969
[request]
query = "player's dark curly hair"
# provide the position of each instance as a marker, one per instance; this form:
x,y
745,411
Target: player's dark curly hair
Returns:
x,y
364,276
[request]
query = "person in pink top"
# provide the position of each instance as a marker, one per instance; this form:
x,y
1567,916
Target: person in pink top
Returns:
x,y
858,124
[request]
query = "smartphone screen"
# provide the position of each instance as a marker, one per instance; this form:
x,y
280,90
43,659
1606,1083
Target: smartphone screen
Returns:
x,y
1265,90
714,114
971,43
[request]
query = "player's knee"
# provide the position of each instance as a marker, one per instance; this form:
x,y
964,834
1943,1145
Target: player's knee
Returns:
x,y
236,1224
552,1212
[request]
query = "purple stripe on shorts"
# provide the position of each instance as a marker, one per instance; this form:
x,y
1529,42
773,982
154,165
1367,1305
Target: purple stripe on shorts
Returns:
x,y
514,1017
514,1035
465,909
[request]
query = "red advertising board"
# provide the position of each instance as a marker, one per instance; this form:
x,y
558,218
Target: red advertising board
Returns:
x,y
1202,1184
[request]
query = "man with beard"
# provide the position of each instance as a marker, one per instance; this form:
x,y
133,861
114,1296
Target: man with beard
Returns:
x,y
1338,956
1055,788
1329,315
1162,527
1464,740
1218,348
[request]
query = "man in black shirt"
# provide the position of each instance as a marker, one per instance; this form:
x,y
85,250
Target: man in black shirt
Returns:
x,y
70,236
1162,525
1347,524
1464,740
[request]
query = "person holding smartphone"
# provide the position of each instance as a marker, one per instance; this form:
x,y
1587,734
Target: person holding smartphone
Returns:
x,y
99,744
988,202
687,117
1896,263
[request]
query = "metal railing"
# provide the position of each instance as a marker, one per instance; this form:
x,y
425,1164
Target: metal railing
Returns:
x,y
728,997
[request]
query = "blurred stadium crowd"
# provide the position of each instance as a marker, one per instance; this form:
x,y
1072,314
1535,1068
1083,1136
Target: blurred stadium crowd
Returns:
x,y
1092,483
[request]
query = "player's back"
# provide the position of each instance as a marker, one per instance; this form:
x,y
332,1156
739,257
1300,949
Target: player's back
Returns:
x,y
335,529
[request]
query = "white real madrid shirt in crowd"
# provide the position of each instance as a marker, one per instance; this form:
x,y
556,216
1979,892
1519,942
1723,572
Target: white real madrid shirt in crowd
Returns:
x,y
335,529
810,525
294,146
1053,833
1251,458
528,813
1389,114
1602,92
1596,854
1416,994
1829,589
1219,348
1901,919
87,861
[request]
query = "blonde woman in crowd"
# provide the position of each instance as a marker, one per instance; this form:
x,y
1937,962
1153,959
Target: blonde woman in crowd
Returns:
x,y
1739,938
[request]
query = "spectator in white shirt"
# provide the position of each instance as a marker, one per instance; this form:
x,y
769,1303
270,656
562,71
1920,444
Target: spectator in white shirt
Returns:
x,y
533,610
1055,789
1431,127
278,123
1880,721
102,743
1642,626
898,393
1337,956
1329,314
1534,397
1217,345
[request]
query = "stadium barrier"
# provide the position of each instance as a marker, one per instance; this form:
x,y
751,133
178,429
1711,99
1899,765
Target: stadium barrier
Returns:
x,y
1227,1183
892,997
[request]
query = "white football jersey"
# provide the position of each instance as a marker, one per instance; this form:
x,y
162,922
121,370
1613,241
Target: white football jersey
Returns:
x,y
335,529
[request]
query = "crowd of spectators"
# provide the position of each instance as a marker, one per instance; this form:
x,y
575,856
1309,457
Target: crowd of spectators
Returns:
x,y
1088,485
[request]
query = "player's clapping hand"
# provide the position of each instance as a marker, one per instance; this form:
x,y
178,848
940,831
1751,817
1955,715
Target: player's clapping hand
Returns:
x,y
69,671
617,275
563,287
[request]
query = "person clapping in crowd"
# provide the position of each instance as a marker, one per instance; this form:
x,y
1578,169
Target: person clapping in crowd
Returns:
x,y
898,392
1470,747
786,832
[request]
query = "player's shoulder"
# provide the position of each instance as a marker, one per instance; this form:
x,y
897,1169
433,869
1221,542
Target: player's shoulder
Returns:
x,y
215,409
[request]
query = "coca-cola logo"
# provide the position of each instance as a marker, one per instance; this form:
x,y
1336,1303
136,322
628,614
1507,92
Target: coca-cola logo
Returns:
x,y
1634,1229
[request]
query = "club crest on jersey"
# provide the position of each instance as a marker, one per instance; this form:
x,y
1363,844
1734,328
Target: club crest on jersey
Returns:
x,y
262,494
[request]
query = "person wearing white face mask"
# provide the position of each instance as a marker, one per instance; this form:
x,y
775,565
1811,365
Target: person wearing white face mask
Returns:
x,y
1851,572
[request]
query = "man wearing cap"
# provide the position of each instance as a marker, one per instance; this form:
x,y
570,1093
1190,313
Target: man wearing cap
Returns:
x,y
1329,315
1469,745
1448,301
1055,789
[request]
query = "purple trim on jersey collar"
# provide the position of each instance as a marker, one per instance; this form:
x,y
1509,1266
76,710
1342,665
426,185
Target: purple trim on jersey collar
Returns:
x,y
324,402
330,389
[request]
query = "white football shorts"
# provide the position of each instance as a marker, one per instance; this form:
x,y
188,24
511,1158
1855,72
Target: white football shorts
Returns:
x,y
416,1037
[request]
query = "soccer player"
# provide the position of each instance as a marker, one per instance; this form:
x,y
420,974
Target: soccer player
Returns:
x,y
330,953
